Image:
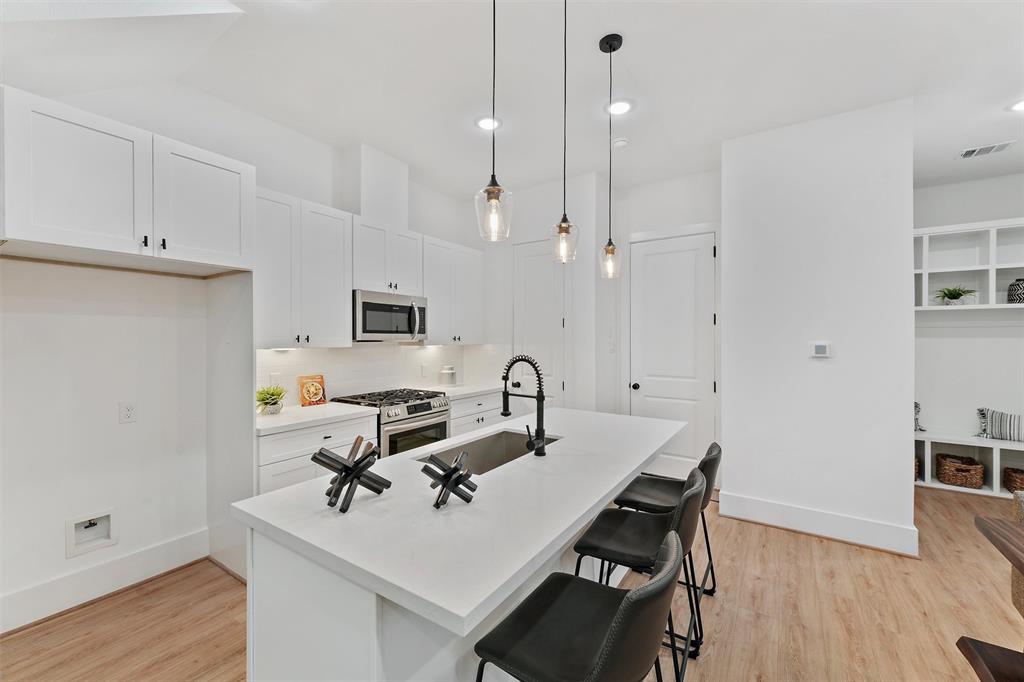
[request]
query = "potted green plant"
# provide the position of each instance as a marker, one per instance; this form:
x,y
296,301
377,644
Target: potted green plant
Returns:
x,y
269,399
957,295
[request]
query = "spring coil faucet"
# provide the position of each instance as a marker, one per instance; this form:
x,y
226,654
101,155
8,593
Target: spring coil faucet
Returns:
x,y
536,440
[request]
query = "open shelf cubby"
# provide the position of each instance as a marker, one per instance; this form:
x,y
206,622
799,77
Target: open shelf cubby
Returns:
x,y
994,454
985,257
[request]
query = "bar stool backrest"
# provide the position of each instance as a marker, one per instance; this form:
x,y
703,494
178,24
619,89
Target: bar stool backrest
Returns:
x,y
686,515
708,466
634,638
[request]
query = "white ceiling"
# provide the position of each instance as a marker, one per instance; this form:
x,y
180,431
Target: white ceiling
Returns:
x,y
411,77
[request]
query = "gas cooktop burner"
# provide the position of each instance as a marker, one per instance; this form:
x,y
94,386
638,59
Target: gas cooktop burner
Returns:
x,y
397,396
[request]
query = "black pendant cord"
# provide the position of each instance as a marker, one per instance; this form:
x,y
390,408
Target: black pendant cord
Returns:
x,y
609,147
565,88
494,75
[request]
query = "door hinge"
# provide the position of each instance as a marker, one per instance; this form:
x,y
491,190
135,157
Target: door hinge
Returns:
x,y
714,251
563,323
714,385
563,385
714,318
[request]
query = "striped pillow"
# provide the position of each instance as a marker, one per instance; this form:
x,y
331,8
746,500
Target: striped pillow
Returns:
x,y
1004,425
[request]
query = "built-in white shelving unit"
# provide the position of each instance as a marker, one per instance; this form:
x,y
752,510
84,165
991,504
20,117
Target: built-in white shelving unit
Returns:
x,y
983,256
994,454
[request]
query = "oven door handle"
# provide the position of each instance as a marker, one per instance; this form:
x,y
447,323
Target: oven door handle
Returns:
x,y
398,427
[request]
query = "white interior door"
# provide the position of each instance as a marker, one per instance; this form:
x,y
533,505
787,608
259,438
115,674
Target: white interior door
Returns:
x,y
672,342
537,321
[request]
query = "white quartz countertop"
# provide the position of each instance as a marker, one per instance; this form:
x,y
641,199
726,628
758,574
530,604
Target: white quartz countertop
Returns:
x,y
296,417
455,565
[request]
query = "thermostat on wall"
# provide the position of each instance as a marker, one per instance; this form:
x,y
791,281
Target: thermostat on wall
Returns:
x,y
821,349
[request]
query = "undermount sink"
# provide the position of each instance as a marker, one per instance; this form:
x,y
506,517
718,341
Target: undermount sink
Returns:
x,y
489,452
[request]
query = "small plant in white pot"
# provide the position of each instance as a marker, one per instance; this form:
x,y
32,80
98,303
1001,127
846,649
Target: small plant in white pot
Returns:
x,y
269,399
957,295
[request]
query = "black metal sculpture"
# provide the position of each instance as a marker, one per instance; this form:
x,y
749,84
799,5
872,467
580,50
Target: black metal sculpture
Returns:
x,y
451,479
351,473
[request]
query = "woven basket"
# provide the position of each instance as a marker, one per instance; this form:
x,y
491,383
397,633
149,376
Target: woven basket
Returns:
x,y
1013,479
963,472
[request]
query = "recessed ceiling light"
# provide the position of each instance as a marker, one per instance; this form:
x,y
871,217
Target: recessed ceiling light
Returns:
x,y
488,123
619,107
620,142
1019,106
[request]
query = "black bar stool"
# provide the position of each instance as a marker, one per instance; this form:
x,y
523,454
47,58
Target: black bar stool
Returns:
x,y
570,628
658,494
620,537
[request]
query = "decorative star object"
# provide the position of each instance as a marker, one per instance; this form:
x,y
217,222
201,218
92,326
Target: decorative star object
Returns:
x,y
452,479
351,473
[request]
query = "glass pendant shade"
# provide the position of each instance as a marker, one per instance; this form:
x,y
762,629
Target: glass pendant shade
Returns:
x,y
494,212
563,241
609,261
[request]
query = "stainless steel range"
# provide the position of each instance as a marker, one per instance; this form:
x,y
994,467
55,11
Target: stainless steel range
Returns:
x,y
409,417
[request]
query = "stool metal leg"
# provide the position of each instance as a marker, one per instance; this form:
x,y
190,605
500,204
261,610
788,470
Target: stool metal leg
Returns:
x,y
711,559
657,669
579,559
675,656
698,636
480,670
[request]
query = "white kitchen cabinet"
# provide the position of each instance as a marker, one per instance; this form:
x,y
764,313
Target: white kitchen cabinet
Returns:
x,y
75,179
453,285
469,299
202,205
405,262
302,284
439,290
476,421
386,260
284,458
369,256
325,289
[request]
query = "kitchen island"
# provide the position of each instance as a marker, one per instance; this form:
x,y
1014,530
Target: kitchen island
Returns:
x,y
396,590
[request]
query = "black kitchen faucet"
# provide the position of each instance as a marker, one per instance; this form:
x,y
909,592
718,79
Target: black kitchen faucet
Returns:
x,y
535,442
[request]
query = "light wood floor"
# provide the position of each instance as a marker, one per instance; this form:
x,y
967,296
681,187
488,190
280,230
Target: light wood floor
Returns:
x,y
789,607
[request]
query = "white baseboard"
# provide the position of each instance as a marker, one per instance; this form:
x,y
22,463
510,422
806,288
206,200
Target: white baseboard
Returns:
x,y
859,531
671,465
63,592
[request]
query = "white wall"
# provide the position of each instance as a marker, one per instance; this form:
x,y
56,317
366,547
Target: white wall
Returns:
x,y
684,200
968,202
75,342
285,160
816,224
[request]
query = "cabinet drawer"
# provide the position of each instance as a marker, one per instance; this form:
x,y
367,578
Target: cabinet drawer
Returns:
x,y
482,403
289,472
339,435
475,421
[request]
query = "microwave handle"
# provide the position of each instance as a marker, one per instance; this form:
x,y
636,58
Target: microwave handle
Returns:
x,y
416,323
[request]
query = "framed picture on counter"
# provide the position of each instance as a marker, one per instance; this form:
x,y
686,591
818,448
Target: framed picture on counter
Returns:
x,y
311,390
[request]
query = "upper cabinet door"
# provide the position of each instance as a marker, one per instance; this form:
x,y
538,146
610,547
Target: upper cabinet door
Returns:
x,y
369,257
275,270
326,280
405,262
202,205
438,287
469,297
75,179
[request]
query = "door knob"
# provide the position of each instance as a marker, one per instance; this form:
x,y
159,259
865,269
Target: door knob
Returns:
x,y
635,387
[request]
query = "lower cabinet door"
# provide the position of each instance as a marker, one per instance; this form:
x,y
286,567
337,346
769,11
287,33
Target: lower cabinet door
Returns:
x,y
290,471
474,421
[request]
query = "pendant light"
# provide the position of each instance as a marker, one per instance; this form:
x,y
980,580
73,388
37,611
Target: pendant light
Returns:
x,y
564,239
493,203
609,256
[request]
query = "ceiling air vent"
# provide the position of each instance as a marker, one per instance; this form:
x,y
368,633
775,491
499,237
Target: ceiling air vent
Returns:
x,y
985,150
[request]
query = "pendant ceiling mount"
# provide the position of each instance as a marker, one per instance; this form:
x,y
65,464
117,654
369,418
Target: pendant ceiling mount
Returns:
x,y
493,203
608,258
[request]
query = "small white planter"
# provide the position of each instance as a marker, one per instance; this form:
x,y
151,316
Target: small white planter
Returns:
x,y
272,409
956,301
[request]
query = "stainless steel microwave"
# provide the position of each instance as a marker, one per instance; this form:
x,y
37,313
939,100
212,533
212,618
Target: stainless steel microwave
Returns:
x,y
377,316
